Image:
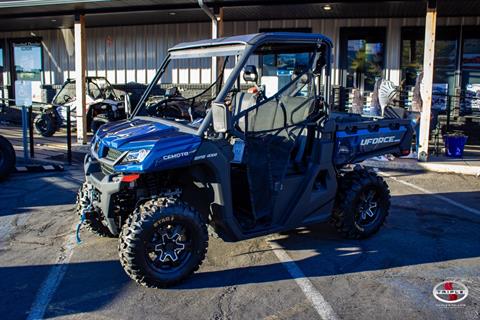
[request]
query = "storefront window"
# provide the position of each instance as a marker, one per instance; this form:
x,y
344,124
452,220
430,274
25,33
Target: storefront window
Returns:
x,y
471,61
446,56
362,55
412,59
471,69
1,75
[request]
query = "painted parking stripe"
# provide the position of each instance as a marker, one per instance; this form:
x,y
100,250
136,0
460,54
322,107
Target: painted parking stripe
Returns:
x,y
433,194
323,308
53,280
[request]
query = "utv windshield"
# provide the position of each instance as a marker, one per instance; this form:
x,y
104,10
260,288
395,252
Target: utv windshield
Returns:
x,y
97,88
184,89
66,94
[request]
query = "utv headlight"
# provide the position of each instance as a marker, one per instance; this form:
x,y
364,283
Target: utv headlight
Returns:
x,y
136,156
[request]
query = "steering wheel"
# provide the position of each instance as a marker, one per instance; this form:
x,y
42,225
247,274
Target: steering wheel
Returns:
x,y
165,109
66,98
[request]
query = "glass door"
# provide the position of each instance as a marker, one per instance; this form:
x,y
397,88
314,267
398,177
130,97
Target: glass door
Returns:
x,y
27,64
2,65
362,57
470,68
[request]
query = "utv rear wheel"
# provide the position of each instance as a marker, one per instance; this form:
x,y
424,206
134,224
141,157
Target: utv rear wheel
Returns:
x,y
162,243
93,220
363,203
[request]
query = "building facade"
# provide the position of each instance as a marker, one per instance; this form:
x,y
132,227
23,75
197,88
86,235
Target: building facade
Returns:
x,y
389,47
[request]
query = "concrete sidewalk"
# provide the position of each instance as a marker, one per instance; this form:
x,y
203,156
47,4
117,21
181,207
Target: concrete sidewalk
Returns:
x,y
468,165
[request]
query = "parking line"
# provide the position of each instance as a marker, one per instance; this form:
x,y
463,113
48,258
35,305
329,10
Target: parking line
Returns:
x,y
323,308
53,280
433,194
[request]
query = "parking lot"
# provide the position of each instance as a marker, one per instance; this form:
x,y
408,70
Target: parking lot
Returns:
x,y
432,235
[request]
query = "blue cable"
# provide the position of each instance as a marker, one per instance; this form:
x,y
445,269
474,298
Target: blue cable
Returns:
x,y
79,225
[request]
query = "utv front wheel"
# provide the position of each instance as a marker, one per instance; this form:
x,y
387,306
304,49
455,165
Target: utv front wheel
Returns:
x,y
93,220
363,203
162,242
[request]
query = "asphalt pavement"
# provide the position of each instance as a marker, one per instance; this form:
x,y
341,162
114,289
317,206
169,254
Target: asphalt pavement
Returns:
x,y
429,237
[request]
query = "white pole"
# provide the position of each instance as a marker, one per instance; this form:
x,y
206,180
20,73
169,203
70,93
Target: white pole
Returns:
x,y
214,59
80,70
426,89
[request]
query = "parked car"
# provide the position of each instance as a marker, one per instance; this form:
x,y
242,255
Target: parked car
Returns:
x,y
103,105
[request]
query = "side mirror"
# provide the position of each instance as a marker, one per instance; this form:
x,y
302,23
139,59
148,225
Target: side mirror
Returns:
x,y
250,73
221,117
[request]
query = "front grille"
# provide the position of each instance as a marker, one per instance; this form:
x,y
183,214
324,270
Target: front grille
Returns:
x,y
106,169
113,154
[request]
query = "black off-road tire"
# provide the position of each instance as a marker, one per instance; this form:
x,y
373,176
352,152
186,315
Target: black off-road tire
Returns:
x,y
7,158
349,203
138,230
45,124
93,220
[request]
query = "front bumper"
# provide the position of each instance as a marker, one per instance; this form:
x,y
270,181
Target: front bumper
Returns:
x,y
107,186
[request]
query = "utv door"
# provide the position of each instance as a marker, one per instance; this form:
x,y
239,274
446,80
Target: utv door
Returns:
x,y
277,142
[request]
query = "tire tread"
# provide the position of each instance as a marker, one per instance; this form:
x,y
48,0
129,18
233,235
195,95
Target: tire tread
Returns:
x,y
130,238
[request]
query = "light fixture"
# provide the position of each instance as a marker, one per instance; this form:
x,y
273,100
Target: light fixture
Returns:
x,y
172,13
53,20
327,7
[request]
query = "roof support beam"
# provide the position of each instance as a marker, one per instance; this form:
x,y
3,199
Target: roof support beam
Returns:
x,y
428,69
80,72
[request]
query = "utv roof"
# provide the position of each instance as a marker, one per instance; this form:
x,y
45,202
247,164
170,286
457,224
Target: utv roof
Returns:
x,y
255,38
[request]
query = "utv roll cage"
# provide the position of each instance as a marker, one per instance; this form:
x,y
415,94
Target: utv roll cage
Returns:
x,y
88,80
242,46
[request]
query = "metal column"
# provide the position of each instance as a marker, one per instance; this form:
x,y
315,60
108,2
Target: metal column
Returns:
x,y
80,71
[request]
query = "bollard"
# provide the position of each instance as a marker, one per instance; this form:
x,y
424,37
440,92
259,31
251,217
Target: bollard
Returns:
x,y
24,132
69,137
30,131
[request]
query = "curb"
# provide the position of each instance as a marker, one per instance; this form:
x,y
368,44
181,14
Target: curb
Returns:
x,y
38,168
423,166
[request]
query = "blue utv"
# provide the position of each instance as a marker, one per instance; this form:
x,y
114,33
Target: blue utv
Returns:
x,y
254,151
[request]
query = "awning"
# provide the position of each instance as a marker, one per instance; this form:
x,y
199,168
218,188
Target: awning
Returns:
x,y
48,14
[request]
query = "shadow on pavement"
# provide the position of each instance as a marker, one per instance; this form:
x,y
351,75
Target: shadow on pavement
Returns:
x,y
413,235
25,192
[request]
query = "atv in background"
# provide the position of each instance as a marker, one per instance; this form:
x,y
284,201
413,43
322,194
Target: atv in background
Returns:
x,y
103,105
7,158
258,153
